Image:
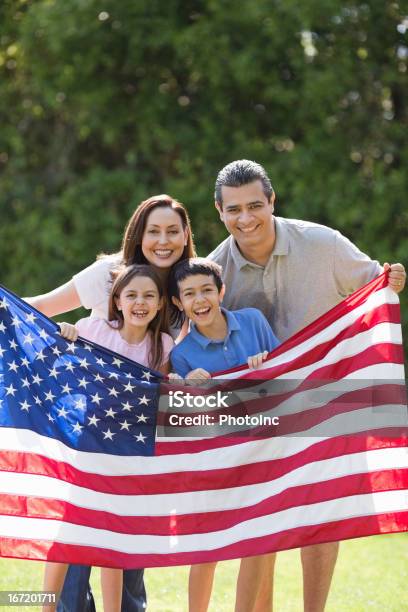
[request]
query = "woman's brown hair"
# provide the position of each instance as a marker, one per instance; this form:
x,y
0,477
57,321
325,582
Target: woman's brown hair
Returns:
x,y
121,278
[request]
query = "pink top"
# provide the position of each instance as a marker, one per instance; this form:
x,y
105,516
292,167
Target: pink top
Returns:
x,y
98,330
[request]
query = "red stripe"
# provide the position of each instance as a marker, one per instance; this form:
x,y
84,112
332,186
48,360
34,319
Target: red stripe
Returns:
x,y
180,482
292,538
209,521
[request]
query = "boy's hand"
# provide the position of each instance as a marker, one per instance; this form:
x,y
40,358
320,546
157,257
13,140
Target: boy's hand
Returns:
x,y
197,375
176,378
256,360
68,331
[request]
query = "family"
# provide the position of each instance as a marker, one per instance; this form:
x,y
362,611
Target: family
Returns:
x,y
157,303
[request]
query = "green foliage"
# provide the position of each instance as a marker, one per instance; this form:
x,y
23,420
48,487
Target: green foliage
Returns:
x,y
104,104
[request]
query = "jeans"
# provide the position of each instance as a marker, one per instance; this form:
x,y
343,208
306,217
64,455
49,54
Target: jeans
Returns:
x,y
77,596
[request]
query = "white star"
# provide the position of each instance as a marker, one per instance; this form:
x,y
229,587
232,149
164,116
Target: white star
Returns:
x,y
93,420
69,367
16,322
28,339
128,387
25,382
56,351
30,318
79,403
100,361
117,362
3,303
83,363
25,405
43,334
10,390
125,425
108,434
37,379
71,346
113,375
13,344
142,418
129,375
2,326
37,400
13,366
143,400
110,413
2,351
113,392
66,388
40,356
77,427
146,375
25,362
127,406
140,438
83,382
49,396
62,412
96,399
53,372
50,418
98,378
87,347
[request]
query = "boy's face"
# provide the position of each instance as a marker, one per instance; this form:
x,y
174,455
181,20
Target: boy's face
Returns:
x,y
200,299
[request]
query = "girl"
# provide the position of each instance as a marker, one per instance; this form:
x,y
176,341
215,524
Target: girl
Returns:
x,y
136,328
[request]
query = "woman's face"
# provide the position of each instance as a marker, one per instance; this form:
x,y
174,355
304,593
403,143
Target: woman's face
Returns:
x,y
164,237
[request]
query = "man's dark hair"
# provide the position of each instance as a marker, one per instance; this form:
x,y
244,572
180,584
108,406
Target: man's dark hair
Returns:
x,y
192,267
241,172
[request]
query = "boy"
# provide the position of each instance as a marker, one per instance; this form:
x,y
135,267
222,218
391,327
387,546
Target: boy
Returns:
x,y
218,340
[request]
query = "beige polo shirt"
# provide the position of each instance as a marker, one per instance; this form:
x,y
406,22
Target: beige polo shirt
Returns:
x,y
310,270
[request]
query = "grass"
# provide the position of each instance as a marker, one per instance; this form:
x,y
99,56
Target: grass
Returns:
x,y
371,574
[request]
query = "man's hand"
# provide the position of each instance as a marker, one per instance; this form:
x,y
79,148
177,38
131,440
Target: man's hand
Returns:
x,y
256,360
68,331
197,375
396,276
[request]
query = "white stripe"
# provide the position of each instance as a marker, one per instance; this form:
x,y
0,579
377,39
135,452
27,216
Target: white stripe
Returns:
x,y
311,514
206,500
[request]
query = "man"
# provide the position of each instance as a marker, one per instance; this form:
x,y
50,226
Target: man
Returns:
x,y
293,271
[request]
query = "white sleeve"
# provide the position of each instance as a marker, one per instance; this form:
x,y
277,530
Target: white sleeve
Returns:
x,y
93,284
352,268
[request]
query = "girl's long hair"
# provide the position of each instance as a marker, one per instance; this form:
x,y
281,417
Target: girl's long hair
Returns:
x,y
121,278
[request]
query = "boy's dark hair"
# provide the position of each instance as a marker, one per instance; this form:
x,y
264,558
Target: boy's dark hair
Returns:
x,y
192,267
241,172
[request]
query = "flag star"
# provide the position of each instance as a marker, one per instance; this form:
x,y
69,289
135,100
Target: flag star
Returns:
x,y
10,390
13,366
110,413
37,400
100,361
40,356
83,363
50,396
56,351
50,418
140,438
62,412
128,387
25,362
25,382
129,375
43,334
77,427
30,318
28,339
37,379
127,406
25,405
113,375
71,346
143,400
108,434
66,388
98,378
125,425
2,326
13,344
2,351
69,367
113,392
83,382
117,362
96,399
53,372
3,303
87,347
79,403
16,322
93,420
142,418
146,375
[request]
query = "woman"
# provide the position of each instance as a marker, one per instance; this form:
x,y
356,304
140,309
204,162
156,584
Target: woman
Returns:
x,y
159,234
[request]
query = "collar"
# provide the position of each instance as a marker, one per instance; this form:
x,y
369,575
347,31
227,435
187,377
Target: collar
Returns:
x,y
281,245
232,325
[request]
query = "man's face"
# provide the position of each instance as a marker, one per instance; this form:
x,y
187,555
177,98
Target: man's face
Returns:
x,y
247,214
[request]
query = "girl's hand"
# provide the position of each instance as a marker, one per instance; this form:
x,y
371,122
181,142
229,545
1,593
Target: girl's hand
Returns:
x,y
256,360
197,375
68,331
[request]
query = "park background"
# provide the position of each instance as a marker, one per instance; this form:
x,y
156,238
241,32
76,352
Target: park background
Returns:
x,y
104,103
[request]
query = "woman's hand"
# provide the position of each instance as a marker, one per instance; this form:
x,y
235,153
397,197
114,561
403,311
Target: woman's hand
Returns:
x,y
256,360
68,331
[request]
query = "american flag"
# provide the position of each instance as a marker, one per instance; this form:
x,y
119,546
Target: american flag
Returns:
x,y
76,495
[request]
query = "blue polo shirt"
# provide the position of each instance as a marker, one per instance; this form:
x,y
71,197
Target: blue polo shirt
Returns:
x,y
248,333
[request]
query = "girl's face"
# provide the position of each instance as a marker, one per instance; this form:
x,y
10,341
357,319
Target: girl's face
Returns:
x,y
139,301
164,237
